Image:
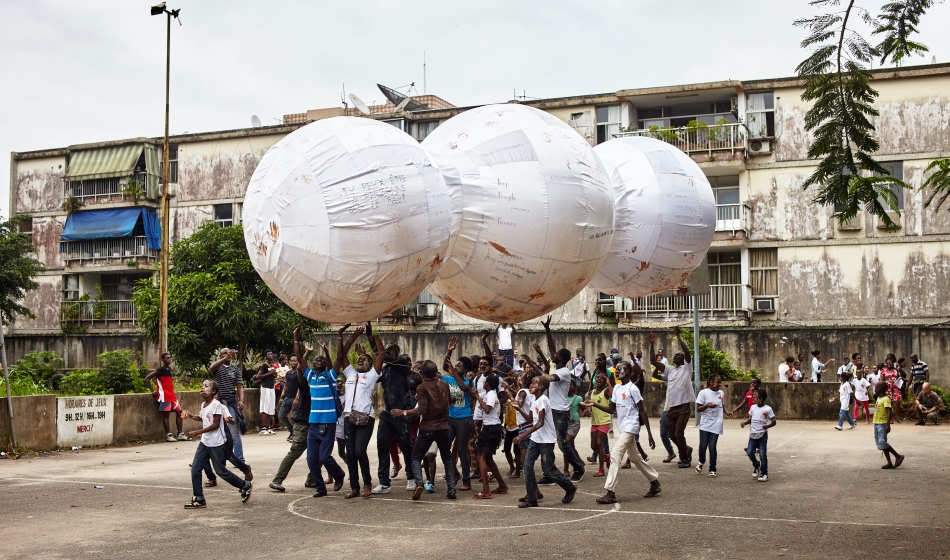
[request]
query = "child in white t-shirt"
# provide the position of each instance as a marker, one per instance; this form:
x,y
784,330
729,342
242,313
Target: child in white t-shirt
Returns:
x,y
761,418
844,396
213,446
861,398
709,403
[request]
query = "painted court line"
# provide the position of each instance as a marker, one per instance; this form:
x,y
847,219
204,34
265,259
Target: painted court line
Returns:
x,y
471,503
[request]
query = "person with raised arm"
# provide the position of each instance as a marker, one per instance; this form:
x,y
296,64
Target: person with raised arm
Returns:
x,y
679,394
462,392
358,408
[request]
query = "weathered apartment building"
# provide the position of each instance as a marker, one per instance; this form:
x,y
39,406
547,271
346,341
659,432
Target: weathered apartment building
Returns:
x,y
785,276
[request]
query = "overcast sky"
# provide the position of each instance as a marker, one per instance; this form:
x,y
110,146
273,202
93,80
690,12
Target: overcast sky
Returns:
x,y
94,70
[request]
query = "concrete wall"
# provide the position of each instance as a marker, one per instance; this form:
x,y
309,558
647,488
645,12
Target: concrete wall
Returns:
x,y
135,417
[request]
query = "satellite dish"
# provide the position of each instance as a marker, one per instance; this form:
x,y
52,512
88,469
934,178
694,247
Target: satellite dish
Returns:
x,y
400,100
358,103
255,121
402,104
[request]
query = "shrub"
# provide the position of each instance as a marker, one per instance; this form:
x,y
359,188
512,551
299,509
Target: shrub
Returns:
x,y
37,367
716,362
83,382
21,387
121,371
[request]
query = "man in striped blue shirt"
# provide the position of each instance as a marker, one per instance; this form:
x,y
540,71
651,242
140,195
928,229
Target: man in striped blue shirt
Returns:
x,y
323,415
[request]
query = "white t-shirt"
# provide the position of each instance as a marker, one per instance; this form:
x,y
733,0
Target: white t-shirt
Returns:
x,y
491,418
504,338
844,395
546,433
479,382
626,398
214,438
362,392
860,388
783,373
759,416
710,420
845,369
528,400
873,379
679,385
815,369
557,390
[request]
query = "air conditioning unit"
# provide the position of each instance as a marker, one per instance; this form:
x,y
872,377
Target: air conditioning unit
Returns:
x,y
765,305
427,310
760,147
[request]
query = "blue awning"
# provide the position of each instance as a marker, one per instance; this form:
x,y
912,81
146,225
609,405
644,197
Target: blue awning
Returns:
x,y
119,222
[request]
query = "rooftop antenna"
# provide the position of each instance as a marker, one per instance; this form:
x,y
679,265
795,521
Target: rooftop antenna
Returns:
x,y
358,103
255,121
424,71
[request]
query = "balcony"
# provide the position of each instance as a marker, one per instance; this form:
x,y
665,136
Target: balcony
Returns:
x,y
724,301
698,139
122,248
102,313
732,217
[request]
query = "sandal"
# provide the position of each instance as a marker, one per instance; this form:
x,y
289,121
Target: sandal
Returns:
x,y
500,490
605,500
516,475
626,465
482,496
600,473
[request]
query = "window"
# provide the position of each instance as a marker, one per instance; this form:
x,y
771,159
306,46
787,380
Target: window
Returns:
x,y
725,268
608,122
224,214
71,287
172,165
763,271
398,123
425,128
760,114
26,227
120,286
896,170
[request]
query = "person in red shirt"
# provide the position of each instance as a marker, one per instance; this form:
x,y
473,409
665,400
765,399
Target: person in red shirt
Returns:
x,y
749,397
164,393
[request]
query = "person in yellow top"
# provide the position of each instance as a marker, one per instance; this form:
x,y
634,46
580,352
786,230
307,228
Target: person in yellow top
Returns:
x,y
882,426
510,421
600,420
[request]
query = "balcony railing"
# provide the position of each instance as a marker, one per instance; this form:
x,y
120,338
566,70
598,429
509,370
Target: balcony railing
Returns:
x,y
100,187
723,299
104,249
712,138
732,217
104,312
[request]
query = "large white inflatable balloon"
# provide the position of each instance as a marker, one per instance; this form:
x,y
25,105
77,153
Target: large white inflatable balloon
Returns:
x,y
665,217
346,219
532,212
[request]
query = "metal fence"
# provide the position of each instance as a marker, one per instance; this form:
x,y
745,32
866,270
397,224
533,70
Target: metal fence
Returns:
x,y
722,299
99,311
712,138
733,217
100,187
100,249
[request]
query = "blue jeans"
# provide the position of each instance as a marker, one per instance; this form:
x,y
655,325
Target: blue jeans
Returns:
x,y
459,430
845,415
206,457
707,439
320,454
761,445
665,435
237,453
561,419
546,452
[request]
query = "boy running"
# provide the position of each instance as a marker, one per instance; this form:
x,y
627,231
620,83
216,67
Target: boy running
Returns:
x,y
542,436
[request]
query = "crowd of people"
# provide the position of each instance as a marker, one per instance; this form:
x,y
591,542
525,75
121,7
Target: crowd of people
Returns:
x,y
460,411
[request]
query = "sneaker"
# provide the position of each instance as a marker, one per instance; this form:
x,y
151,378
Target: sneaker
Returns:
x,y
755,472
182,436
838,428
712,474
246,492
850,427
195,503
764,478
275,486
170,437
411,486
578,476
395,472
381,489
417,493
263,432
430,488
699,468
545,481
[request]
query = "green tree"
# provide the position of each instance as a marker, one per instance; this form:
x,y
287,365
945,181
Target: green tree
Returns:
x,y
18,269
838,83
216,299
716,362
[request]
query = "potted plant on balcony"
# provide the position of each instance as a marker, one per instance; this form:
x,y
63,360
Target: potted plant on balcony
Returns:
x,y
133,188
72,204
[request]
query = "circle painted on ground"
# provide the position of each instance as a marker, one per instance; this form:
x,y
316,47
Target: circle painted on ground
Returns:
x,y
475,512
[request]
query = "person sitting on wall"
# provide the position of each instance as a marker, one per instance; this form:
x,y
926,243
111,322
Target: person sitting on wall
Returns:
x,y
928,406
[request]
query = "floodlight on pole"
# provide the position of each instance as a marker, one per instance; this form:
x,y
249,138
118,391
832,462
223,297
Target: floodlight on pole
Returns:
x,y
160,9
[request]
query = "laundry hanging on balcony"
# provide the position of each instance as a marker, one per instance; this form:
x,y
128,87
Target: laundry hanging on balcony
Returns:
x,y
119,222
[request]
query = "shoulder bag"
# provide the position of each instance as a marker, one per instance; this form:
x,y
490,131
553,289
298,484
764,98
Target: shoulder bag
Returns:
x,y
357,418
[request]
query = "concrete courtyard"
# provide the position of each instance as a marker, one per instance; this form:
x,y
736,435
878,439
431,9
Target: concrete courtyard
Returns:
x,y
827,497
